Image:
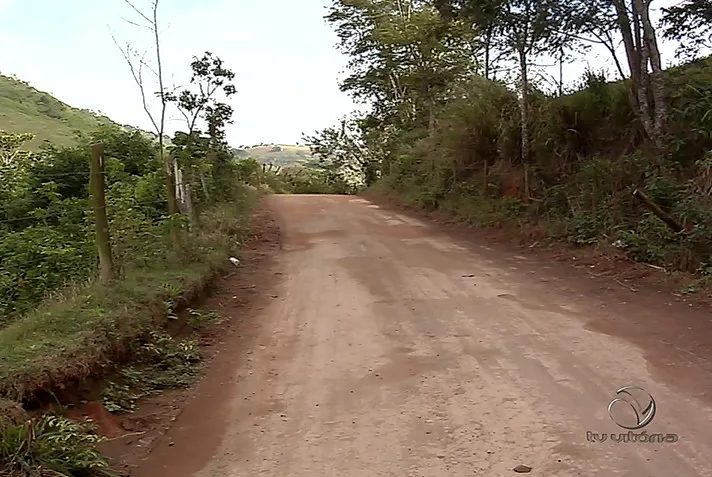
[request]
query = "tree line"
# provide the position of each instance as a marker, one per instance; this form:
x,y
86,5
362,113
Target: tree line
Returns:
x,y
408,56
458,107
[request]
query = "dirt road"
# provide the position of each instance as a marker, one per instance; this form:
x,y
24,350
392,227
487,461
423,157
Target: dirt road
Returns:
x,y
390,349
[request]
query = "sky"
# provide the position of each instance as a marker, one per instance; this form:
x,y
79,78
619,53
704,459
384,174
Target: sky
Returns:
x,y
282,51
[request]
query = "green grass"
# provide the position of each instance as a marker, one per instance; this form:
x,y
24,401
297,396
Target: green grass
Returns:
x,y
24,109
73,338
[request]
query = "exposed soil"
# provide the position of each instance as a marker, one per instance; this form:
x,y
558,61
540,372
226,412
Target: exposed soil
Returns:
x,y
236,296
392,346
598,261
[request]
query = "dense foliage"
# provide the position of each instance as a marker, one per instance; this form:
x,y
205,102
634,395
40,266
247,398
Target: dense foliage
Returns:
x,y
460,119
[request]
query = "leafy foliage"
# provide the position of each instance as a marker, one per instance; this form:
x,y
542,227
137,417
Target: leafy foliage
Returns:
x,y
691,22
51,445
442,134
161,362
46,232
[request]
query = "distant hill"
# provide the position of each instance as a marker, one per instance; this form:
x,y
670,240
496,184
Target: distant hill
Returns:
x,y
276,154
26,109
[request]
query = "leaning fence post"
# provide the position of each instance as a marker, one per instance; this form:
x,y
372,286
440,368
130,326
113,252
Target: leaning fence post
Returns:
x,y
101,223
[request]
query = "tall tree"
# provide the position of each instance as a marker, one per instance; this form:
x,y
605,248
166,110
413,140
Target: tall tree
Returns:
x,y
203,101
524,29
403,57
630,19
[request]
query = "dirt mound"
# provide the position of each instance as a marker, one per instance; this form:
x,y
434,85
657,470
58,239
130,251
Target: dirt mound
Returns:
x,y
11,413
108,425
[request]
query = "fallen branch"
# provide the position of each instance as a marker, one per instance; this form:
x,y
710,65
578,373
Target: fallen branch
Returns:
x,y
669,220
626,286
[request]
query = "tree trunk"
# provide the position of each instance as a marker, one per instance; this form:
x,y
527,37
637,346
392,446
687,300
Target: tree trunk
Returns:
x,y
170,180
488,47
638,41
632,54
204,184
190,210
431,117
561,73
524,104
101,223
669,220
170,185
179,187
606,39
627,34
657,82
646,108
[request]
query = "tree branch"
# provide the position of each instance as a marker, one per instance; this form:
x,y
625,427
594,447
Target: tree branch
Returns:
x,y
137,75
141,14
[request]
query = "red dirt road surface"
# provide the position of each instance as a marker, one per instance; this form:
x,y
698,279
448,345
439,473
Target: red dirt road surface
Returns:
x,y
390,348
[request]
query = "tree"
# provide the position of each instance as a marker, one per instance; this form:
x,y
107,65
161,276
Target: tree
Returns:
x,y
138,66
200,101
690,23
403,57
341,150
480,18
209,78
524,29
631,20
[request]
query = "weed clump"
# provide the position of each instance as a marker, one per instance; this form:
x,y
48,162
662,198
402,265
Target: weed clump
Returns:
x,y
162,362
51,446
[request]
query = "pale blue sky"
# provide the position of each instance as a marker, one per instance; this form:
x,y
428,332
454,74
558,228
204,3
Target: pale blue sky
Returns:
x,y
281,50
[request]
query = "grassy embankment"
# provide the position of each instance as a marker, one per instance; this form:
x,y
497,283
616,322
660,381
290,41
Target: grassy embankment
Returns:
x,y
58,326
588,156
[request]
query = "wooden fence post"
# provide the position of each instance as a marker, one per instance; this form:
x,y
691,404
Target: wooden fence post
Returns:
x,y
190,209
101,223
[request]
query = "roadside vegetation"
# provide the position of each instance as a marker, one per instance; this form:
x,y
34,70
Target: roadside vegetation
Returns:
x,y
59,324
84,301
468,124
313,177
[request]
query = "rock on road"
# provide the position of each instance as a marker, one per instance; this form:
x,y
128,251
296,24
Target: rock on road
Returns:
x,y
390,348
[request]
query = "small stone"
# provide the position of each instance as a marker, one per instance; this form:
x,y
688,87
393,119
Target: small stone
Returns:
x,y
522,469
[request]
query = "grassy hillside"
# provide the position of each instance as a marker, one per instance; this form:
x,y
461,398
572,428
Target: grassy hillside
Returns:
x,y
25,109
276,154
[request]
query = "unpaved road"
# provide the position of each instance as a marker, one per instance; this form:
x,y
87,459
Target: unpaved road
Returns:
x,y
390,349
